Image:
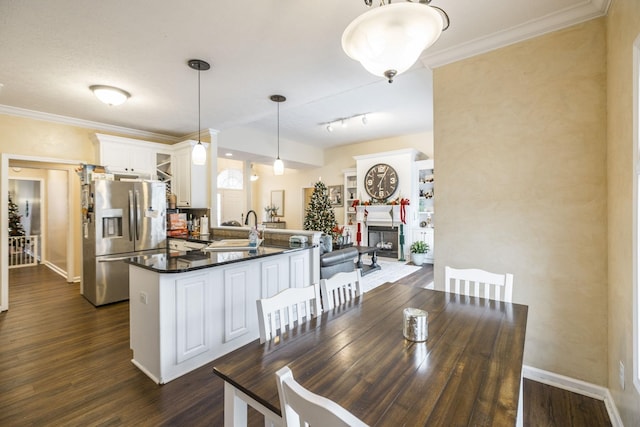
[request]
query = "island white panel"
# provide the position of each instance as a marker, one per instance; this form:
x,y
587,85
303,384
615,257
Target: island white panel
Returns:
x,y
192,318
235,302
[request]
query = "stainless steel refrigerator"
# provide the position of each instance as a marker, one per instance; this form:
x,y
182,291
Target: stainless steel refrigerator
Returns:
x,y
121,219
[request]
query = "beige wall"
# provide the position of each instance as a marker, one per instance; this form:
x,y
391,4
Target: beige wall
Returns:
x,y
336,160
521,186
623,27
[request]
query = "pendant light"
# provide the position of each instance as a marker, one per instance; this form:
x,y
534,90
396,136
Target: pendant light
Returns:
x,y
254,176
199,153
278,165
388,39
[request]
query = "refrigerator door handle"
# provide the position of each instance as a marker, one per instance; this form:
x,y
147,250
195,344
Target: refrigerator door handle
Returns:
x,y
138,215
131,216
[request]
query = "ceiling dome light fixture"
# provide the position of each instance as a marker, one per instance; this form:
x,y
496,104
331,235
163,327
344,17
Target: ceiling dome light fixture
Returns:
x,y
199,153
278,165
388,40
110,95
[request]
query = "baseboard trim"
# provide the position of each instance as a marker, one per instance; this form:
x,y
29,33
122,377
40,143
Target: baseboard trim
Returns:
x,y
56,269
576,386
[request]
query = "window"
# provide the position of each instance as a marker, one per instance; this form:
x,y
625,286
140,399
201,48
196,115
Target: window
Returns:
x,y
230,179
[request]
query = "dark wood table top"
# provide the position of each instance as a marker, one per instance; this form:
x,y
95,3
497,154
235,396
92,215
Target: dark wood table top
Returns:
x,y
468,372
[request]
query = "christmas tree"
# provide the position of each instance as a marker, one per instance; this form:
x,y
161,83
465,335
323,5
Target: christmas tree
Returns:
x,y
15,226
319,215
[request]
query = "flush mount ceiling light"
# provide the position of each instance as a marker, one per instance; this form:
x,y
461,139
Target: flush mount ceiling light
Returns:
x,y
110,95
388,40
278,165
199,153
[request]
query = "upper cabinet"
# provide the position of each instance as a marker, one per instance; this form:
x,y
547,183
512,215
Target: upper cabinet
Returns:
x,y
170,164
189,180
126,156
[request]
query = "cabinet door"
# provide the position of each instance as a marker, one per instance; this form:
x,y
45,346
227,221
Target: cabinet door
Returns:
x,y
299,273
122,157
182,180
114,156
190,181
141,160
191,317
275,276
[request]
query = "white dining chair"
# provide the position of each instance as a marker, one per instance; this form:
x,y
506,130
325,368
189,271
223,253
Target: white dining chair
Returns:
x,y
479,283
286,308
340,288
300,407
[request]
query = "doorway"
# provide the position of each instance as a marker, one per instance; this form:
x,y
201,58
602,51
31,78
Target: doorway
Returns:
x,y
25,218
58,220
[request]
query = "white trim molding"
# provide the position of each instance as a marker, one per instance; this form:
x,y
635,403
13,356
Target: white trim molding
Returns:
x,y
576,386
585,11
103,127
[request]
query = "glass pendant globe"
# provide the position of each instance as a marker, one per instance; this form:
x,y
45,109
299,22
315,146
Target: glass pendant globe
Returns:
x,y
199,154
388,40
278,167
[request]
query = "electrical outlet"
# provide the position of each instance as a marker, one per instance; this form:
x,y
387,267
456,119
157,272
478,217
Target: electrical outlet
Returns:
x,y
143,297
621,374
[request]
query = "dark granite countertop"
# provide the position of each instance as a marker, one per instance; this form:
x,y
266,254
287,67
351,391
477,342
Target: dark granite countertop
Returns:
x,y
171,261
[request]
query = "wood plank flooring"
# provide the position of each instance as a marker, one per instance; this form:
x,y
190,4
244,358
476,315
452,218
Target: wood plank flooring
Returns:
x,y
65,362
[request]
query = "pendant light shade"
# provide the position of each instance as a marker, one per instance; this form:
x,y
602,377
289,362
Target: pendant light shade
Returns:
x,y
199,153
278,165
388,39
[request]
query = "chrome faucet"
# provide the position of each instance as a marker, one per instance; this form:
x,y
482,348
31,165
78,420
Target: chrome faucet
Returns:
x,y
255,217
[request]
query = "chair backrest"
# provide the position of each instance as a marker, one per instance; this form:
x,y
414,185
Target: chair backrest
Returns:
x,y
479,283
340,288
285,308
300,407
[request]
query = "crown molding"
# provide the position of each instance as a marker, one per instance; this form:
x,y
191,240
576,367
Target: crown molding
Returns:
x,y
585,11
103,127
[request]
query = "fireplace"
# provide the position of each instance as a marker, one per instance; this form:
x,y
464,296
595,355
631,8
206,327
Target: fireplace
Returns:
x,y
385,239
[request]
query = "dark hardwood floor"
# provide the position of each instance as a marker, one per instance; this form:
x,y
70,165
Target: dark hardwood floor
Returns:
x,y
65,362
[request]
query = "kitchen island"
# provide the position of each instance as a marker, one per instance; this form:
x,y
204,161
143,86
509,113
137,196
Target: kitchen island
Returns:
x,y
188,308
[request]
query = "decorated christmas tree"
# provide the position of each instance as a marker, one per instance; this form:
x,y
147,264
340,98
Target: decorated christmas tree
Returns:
x,y
15,226
319,215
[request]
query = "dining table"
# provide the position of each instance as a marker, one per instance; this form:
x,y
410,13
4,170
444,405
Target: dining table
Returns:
x,y
468,371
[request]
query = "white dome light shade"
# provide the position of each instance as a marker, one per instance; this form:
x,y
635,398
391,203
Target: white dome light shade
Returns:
x,y
388,40
110,95
199,154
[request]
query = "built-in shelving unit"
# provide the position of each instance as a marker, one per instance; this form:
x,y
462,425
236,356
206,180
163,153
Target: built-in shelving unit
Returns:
x,y
423,226
164,172
350,194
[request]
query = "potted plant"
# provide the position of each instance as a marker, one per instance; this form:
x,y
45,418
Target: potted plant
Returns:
x,y
418,251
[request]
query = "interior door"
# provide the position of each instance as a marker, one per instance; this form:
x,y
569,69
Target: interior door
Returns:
x,y
233,206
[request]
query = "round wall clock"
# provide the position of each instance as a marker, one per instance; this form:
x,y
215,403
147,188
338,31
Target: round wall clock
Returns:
x,y
381,181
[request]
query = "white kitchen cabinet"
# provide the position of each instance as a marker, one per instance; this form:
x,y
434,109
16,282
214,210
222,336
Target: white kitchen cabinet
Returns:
x,y
240,295
180,321
126,156
275,278
189,181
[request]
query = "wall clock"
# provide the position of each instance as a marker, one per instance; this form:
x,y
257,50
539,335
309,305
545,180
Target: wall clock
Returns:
x,y
381,181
